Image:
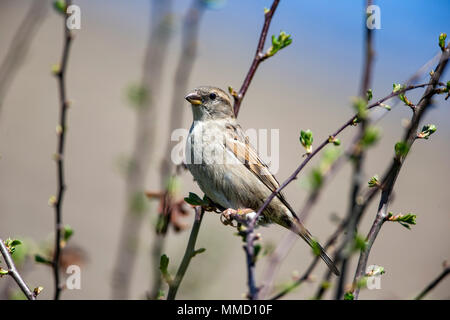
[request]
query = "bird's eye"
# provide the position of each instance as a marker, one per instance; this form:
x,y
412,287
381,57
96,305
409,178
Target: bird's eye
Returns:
x,y
212,96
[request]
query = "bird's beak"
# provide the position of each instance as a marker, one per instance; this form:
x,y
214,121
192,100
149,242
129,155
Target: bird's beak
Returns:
x,y
194,98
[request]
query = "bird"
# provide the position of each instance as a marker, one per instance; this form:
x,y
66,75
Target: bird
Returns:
x,y
228,169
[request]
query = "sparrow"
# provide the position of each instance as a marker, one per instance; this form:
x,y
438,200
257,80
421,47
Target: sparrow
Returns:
x,y
228,169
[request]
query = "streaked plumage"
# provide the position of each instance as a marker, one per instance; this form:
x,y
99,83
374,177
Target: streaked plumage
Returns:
x,y
228,169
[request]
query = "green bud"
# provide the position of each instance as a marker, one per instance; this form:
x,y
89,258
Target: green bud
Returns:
x,y
163,265
60,6
67,233
373,182
334,140
401,149
360,105
369,95
386,106
442,38
306,139
406,220
349,296
370,137
397,87
427,131
279,43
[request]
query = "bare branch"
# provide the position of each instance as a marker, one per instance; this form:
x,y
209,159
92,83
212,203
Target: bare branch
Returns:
x,y
434,283
20,45
259,57
358,156
61,131
146,118
188,255
185,65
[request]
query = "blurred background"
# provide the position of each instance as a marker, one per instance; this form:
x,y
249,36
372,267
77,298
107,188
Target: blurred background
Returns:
x,y
307,85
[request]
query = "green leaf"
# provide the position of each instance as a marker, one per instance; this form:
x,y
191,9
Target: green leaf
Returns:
x,y
397,87
67,232
11,244
349,296
442,38
370,137
3,272
373,182
163,265
194,200
360,106
401,149
360,243
315,178
369,95
198,251
306,139
137,95
278,43
405,220
40,259
60,6
427,131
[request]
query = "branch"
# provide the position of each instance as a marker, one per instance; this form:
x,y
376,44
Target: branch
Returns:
x,y
434,283
187,58
146,114
188,255
390,177
12,271
61,131
358,156
331,241
20,45
259,57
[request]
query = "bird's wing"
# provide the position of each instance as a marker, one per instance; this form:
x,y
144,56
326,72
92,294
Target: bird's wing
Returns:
x,y
239,145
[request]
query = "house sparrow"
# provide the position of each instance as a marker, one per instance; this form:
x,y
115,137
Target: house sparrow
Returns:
x,y
228,169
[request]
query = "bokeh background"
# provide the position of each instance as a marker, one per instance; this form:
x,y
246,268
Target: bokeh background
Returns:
x,y
307,85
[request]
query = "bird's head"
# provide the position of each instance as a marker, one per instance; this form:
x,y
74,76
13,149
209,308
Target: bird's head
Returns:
x,y
210,103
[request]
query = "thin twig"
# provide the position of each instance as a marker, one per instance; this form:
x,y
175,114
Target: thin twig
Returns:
x,y
184,69
433,283
331,241
259,57
62,130
188,255
12,271
390,177
370,195
293,176
146,118
20,45
358,157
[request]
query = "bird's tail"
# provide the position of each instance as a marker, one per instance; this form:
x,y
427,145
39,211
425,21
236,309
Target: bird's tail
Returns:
x,y
304,233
